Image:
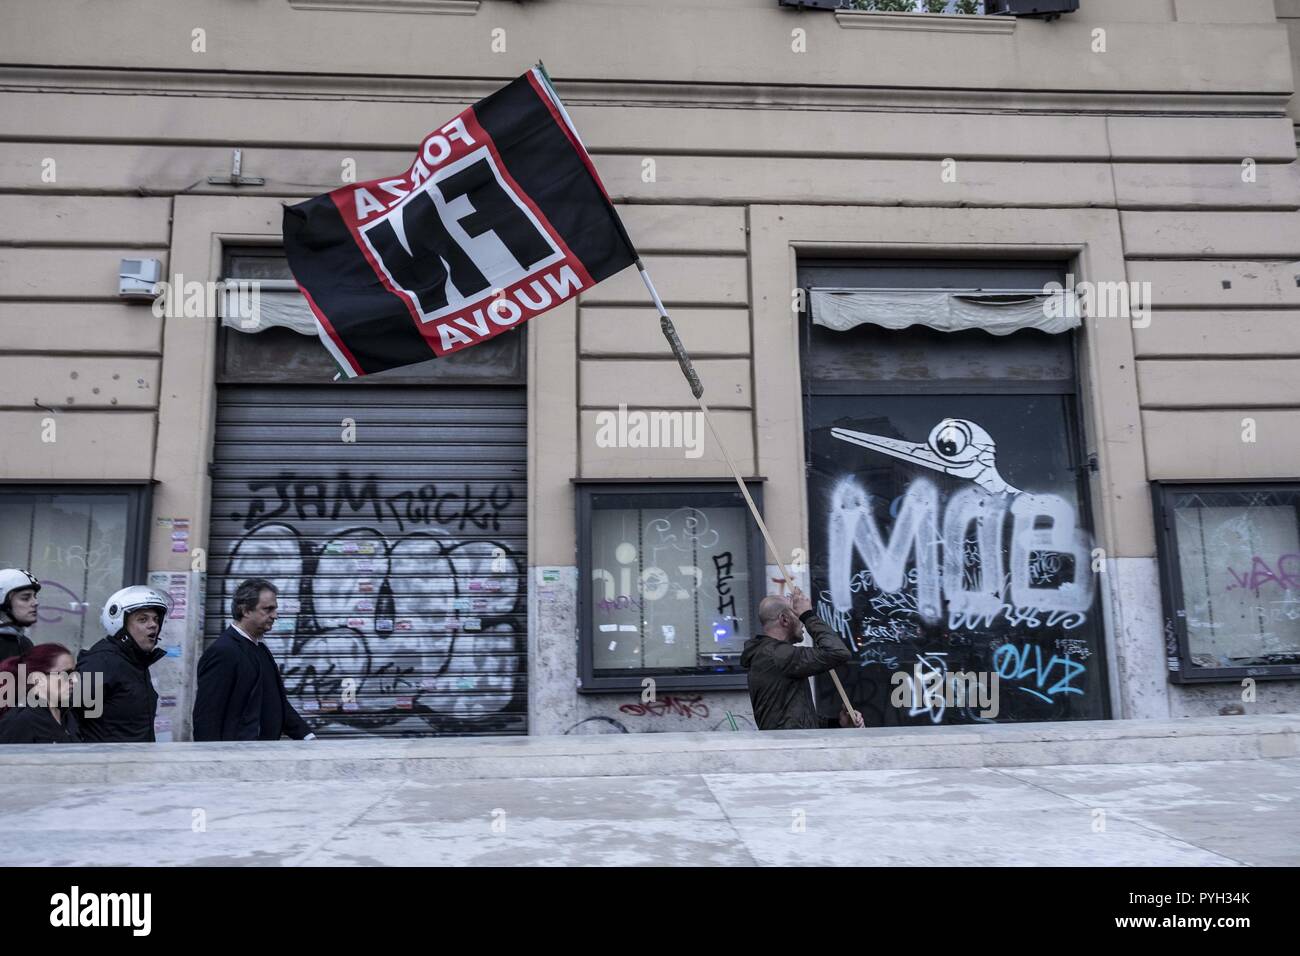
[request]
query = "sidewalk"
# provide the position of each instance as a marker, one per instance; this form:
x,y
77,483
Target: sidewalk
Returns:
x,y
453,802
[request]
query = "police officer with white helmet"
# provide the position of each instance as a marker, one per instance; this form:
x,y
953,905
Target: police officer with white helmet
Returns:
x,y
18,606
132,619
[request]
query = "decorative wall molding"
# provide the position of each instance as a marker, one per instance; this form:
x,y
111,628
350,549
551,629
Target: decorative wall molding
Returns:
x,y
923,22
580,92
453,7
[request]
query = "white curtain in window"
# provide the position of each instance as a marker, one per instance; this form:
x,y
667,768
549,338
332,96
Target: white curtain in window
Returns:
x,y
999,313
285,309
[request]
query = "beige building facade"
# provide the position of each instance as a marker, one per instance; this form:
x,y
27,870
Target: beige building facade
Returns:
x,y
746,146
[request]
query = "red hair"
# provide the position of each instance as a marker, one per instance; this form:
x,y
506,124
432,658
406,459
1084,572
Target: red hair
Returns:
x,y
39,660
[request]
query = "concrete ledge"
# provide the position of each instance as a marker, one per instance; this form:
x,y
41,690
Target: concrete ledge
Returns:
x,y
924,22
467,758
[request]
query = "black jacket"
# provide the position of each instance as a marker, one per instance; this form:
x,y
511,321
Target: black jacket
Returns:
x,y
228,701
129,700
36,725
13,641
779,672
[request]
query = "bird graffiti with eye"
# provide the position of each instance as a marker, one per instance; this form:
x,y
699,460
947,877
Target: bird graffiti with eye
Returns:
x,y
956,447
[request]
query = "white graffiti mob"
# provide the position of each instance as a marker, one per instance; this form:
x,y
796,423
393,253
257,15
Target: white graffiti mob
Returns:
x,y
1041,523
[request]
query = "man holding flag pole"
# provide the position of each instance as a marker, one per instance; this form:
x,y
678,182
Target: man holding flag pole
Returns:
x,y
500,218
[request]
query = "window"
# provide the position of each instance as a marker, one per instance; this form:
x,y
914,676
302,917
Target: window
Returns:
x,y
1230,565
670,577
282,346
947,490
82,543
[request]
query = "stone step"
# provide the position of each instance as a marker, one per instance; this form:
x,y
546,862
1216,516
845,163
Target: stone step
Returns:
x,y
464,758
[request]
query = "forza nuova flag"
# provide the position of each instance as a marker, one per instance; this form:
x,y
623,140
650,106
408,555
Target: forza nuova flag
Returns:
x,y
500,217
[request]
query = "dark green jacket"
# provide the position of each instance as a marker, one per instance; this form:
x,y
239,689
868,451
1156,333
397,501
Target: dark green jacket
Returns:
x,y
779,672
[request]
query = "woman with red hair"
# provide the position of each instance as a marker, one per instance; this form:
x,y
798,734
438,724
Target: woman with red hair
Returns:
x,y
36,690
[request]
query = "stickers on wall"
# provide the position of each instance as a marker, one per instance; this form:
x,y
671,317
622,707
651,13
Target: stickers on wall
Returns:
x,y
176,586
178,530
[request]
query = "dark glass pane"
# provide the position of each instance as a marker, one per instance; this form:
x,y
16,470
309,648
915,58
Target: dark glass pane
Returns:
x,y
672,589
255,264
76,547
277,355
918,355
1239,558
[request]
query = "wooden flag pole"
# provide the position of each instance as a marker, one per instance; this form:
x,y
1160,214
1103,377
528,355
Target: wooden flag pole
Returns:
x,y
697,389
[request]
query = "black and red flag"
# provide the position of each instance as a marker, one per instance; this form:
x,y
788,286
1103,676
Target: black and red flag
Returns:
x,y
500,217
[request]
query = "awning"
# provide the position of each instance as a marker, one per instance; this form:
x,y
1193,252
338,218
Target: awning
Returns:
x,y
277,303
999,312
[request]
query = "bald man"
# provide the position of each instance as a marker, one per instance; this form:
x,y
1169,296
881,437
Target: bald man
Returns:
x,y
779,671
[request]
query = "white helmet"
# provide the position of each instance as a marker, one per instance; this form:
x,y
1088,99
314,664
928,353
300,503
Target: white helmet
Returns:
x,y
16,579
135,598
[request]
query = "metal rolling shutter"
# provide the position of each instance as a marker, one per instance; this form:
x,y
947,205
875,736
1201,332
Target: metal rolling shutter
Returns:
x,y
400,555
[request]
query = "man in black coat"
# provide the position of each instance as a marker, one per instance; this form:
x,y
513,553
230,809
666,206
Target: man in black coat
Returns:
x,y
779,671
240,693
117,668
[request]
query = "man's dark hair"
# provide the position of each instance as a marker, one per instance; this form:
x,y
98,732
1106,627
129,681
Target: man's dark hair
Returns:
x,y
248,594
